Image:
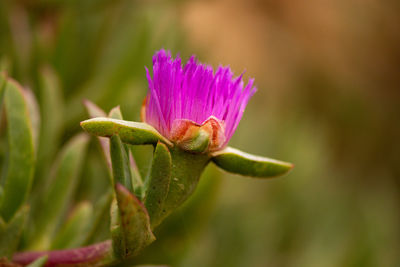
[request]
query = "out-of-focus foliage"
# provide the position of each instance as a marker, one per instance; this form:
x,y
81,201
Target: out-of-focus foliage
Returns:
x,y
327,100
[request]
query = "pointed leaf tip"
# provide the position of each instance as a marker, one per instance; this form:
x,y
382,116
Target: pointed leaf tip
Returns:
x,y
39,262
93,110
134,133
11,233
239,162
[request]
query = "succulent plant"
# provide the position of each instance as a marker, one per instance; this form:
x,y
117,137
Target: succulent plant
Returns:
x,y
189,115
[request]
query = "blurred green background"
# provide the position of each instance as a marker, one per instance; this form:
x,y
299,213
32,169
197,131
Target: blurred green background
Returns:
x,y
328,100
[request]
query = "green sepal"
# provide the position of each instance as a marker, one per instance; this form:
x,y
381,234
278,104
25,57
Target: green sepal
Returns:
x,y
130,224
198,143
73,233
39,262
238,162
57,195
134,133
10,233
157,185
19,166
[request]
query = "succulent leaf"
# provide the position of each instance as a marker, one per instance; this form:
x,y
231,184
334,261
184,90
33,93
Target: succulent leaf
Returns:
x,y
132,231
185,175
52,119
134,133
157,185
20,165
239,162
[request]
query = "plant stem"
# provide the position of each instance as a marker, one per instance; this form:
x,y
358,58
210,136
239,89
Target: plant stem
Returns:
x,y
93,255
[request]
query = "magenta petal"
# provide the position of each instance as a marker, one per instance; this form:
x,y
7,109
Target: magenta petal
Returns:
x,y
194,92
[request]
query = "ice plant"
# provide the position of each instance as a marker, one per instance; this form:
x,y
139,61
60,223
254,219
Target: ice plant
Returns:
x,y
189,115
188,101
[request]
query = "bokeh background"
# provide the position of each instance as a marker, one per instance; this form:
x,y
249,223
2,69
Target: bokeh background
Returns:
x,y
328,100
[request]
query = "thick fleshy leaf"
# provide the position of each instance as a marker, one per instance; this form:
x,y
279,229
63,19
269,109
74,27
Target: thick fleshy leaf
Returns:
x,y
134,133
39,262
10,233
130,227
185,175
157,185
236,161
20,162
73,232
57,196
52,119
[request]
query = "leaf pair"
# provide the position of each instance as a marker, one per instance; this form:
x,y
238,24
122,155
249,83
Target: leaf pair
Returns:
x,y
229,159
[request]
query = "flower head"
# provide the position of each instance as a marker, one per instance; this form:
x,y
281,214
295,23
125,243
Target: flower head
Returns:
x,y
185,100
